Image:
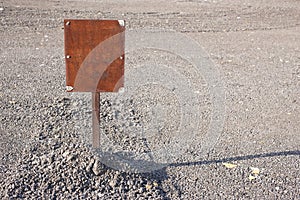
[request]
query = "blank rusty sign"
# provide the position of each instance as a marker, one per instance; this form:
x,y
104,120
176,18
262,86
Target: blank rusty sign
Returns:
x,y
94,53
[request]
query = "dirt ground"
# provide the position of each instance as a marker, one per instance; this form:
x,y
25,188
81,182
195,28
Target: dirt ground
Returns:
x,y
255,45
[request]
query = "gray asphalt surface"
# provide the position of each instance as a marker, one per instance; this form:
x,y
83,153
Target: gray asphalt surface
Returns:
x,y
254,44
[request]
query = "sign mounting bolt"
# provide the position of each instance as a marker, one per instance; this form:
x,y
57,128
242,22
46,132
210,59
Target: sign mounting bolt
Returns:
x,y
69,88
121,22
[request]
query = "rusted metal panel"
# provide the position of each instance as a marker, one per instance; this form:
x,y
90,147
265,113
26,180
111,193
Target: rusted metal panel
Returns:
x,y
94,53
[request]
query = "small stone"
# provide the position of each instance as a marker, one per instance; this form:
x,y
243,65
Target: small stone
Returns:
x,y
255,170
90,165
113,183
148,187
251,177
70,188
229,165
70,157
1,9
100,195
44,160
129,182
141,190
97,168
66,153
97,185
36,162
51,158
12,102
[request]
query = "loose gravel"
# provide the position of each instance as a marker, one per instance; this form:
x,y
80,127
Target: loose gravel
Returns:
x,y
45,132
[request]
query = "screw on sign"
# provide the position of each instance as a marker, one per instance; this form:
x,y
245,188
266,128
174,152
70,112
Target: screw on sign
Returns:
x,y
94,53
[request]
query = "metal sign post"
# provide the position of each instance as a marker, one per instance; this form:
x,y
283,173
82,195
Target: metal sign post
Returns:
x,y
94,53
96,119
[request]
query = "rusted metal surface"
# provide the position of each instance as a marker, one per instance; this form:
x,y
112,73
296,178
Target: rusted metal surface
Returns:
x,y
94,53
96,119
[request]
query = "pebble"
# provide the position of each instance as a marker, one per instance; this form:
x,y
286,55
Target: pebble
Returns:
x,y
36,161
148,187
66,153
113,183
44,160
70,157
90,165
141,190
98,168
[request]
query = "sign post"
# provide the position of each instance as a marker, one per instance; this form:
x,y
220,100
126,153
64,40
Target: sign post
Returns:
x,y
94,54
96,119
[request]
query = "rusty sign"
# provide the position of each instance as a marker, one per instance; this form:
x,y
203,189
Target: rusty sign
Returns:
x,y
94,53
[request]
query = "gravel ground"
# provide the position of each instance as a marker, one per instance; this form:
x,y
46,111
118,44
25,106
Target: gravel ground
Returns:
x,y
45,151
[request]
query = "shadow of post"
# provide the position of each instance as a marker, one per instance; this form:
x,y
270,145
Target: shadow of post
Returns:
x,y
237,158
161,175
